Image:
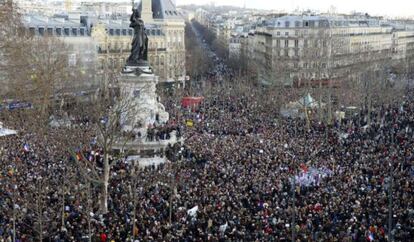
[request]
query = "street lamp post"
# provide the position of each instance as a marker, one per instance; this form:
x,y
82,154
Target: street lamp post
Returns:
x,y
173,189
294,208
390,203
171,199
390,195
293,198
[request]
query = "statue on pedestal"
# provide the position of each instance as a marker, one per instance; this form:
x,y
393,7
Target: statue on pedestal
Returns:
x,y
137,85
139,51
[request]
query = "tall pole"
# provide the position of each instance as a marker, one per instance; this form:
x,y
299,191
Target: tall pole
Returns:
x,y
171,201
172,188
330,74
390,187
293,198
14,212
106,82
294,207
89,199
134,199
390,202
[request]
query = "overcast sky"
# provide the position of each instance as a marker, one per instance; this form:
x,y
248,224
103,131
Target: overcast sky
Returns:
x,y
373,7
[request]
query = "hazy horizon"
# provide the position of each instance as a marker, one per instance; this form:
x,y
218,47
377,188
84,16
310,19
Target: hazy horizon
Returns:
x,y
396,8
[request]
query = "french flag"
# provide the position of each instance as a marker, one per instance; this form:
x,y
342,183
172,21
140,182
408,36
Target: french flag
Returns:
x,y
371,237
26,147
304,168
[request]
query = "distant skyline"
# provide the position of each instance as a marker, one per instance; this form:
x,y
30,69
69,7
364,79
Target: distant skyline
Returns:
x,y
392,8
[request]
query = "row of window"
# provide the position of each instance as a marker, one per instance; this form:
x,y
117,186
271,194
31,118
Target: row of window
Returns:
x,y
171,13
285,53
322,23
82,31
298,33
287,43
175,33
236,41
338,32
314,65
130,32
58,31
307,65
154,32
290,53
310,23
316,43
278,33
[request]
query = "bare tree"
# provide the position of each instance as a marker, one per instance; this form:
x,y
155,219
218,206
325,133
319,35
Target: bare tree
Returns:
x,y
197,60
9,39
133,188
108,115
12,194
372,83
35,68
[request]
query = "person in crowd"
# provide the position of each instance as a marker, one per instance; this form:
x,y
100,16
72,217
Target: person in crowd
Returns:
x,y
230,181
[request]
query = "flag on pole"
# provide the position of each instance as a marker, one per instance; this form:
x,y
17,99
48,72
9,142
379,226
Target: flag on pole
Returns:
x,y
192,212
26,147
371,237
78,156
223,227
304,168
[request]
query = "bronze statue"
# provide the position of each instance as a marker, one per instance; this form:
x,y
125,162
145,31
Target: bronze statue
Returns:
x,y
139,51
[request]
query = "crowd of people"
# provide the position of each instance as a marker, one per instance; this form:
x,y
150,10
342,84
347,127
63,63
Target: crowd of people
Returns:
x,y
162,132
230,181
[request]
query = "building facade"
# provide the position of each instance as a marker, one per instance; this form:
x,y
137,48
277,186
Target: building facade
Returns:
x,y
101,44
166,45
294,50
235,47
80,48
308,48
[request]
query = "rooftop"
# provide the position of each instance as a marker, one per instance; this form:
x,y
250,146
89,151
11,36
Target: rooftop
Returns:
x,y
41,21
164,9
314,21
62,26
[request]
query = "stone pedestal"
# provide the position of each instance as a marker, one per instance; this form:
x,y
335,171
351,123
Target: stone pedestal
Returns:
x,y
138,91
141,110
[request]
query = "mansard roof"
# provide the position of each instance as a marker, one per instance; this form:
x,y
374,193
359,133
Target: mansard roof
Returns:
x,y
164,9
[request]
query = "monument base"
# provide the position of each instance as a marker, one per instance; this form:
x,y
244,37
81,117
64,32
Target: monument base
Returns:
x,y
138,63
137,86
145,162
145,152
137,70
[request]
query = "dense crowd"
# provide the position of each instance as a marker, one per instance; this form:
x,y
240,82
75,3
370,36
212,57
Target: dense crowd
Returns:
x,y
231,181
163,132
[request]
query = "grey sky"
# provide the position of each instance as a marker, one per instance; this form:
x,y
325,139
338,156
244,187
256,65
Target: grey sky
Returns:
x,y
382,7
